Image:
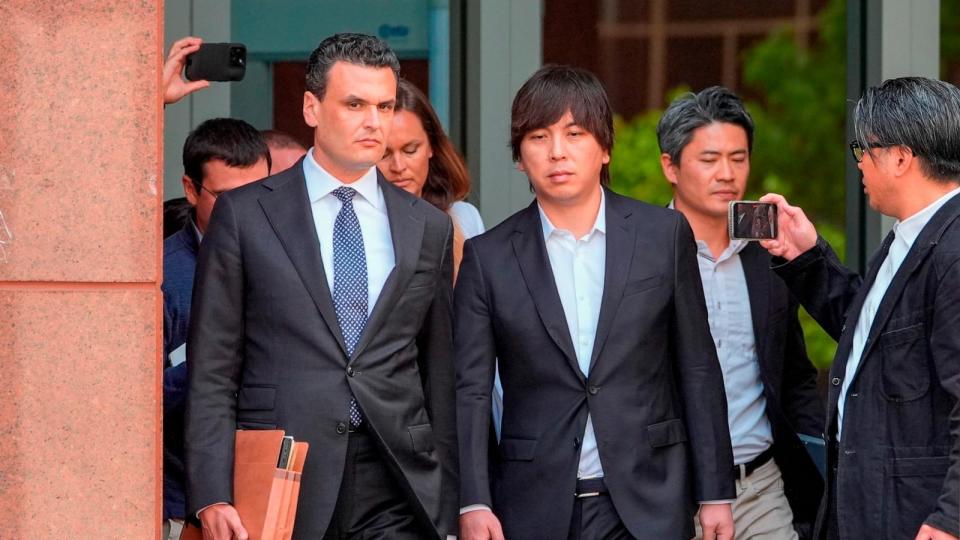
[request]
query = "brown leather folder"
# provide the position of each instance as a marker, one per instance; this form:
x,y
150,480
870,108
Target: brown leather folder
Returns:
x,y
264,496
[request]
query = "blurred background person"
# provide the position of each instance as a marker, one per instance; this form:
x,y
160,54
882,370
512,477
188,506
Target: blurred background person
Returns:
x,y
421,159
219,155
285,151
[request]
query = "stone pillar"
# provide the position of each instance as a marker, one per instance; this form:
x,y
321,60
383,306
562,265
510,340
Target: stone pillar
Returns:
x,y
80,269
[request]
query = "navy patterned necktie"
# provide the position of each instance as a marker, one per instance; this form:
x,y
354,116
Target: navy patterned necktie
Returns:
x,y
349,279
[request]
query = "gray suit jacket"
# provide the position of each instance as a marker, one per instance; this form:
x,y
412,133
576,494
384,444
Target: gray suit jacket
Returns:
x,y
265,351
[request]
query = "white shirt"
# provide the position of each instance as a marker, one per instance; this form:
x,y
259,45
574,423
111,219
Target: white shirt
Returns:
x,y
467,218
906,232
371,212
578,267
731,325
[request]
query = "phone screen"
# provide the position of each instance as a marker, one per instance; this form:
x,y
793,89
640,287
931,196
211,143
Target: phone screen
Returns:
x,y
751,220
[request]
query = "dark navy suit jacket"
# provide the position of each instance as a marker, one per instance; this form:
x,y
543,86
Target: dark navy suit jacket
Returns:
x,y
179,263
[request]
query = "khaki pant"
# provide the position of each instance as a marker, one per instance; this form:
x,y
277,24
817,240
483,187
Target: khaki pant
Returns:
x,y
761,510
172,529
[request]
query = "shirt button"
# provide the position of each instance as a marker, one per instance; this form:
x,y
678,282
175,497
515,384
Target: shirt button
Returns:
x,y
341,427
835,381
593,390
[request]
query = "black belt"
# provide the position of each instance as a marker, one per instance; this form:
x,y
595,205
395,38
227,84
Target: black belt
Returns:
x,y
590,487
755,463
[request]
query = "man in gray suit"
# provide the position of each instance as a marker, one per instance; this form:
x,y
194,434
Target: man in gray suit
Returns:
x,y
323,309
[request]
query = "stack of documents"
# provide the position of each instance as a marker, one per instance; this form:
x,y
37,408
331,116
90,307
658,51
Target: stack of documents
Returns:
x,y
266,484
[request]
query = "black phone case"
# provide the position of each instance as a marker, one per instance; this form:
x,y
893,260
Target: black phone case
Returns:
x,y
217,62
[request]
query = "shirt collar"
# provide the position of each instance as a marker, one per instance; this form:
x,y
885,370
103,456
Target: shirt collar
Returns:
x,y
321,183
735,247
600,224
909,229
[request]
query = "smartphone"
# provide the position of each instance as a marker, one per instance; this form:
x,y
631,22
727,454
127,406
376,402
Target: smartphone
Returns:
x,y
218,62
752,220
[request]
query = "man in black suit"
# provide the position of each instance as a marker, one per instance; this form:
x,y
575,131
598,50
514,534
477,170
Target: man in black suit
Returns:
x,y
614,419
323,308
706,140
893,415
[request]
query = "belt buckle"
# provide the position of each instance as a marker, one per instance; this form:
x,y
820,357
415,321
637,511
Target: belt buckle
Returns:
x,y
588,494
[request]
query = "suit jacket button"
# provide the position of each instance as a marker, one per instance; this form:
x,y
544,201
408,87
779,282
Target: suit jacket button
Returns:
x,y
350,372
835,381
593,390
341,427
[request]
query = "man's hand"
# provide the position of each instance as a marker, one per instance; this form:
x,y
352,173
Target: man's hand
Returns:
x,y
796,233
480,525
929,533
716,520
174,85
222,522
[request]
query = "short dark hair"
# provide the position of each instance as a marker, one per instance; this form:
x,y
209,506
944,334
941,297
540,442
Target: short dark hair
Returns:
x,y
359,49
235,142
690,112
281,139
447,178
552,91
919,113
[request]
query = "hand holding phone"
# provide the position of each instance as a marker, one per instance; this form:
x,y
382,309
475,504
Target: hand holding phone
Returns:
x,y
752,220
174,87
218,62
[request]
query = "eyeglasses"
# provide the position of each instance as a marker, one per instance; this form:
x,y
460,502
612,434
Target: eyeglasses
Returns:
x,y
858,150
215,194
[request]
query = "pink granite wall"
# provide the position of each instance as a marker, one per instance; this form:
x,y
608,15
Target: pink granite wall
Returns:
x,y
80,247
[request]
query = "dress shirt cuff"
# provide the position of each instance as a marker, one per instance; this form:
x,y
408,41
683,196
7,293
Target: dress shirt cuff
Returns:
x,y
726,501
208,506
474,507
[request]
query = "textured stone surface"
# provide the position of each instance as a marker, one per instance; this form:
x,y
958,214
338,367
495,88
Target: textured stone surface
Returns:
x,y
78,416
79,140
80,154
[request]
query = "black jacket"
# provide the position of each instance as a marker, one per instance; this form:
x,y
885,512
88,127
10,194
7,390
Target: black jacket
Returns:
x,y
654,393
898,464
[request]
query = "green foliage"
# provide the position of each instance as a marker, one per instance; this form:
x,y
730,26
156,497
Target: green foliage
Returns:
x,y
799,148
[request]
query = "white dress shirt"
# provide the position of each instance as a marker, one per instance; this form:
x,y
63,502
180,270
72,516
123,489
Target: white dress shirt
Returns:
x,y
371,212
731,325
578,267
906,233
468,218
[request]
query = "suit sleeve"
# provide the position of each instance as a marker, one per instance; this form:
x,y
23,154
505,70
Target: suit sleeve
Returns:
x,y
945,350
700,377
475,354
822,284
801,400
435,358
214,361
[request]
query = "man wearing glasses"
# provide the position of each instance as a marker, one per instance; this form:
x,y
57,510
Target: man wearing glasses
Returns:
x,y
893,418
219,155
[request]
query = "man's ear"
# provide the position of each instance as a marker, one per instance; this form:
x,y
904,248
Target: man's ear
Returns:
x,y
520,167
904,159
190,190
310,104
669,169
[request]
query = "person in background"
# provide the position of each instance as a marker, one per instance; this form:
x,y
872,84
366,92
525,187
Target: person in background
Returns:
x,y
421,159
285,151
219,155
771,386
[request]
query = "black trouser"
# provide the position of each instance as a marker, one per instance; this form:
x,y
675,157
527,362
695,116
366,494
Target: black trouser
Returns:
x,y
370,504
595,518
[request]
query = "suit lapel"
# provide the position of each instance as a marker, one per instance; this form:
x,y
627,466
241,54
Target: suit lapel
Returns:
x,y
287,207
918,253
620,245
756,272
406,232
531,253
